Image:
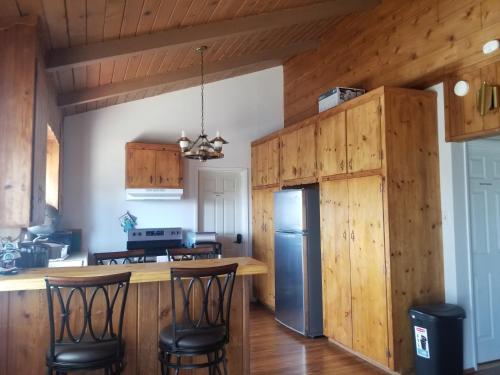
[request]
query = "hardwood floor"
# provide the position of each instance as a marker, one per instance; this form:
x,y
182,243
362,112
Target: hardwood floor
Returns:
x,y
276,350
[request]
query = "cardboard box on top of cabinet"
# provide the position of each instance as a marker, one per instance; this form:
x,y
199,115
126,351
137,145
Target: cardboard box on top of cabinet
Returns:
x,y
336,96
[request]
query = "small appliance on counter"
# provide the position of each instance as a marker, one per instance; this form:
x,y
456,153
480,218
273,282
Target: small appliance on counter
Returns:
x,y
33,255
155,241
204,238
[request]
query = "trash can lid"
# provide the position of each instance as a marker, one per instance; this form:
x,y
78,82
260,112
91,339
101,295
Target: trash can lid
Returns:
x,y
442,310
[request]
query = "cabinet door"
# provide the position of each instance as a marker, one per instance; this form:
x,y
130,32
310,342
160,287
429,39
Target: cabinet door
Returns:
x,y
168,169
273,167
364,149
268,242
257,239
331,145
306,151
141,168
262,163
289,156
253,166
368,268
464,120
335,261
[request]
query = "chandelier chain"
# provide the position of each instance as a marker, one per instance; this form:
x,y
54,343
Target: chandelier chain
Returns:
x,y
202,93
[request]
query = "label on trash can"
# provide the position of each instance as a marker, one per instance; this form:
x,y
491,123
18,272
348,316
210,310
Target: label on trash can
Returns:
x,y
422,342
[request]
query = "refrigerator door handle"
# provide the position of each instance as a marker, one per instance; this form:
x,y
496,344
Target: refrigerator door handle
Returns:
x,y
305,270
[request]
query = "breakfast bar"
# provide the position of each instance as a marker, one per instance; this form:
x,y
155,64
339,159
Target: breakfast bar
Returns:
x,y
24,327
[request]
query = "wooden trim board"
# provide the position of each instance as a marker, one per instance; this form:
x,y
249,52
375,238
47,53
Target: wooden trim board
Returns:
x,y
269,57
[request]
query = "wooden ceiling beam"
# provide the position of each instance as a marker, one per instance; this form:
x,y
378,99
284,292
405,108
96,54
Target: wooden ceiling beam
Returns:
x,y
65,58
259,60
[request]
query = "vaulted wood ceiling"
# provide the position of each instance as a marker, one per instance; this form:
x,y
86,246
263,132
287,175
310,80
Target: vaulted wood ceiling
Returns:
x,y
97,55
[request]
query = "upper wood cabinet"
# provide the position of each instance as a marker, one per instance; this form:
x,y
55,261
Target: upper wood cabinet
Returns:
x,y
364,149
153,166
349,141
168,168
265,162
298,153
331,151
463,120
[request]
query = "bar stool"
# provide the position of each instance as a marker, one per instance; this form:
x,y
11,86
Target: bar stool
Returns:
x,y
203,327
81,343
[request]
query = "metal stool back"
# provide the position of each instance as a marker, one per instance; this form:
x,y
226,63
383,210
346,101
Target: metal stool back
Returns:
x,y
200,323
78,341
202,252
120,257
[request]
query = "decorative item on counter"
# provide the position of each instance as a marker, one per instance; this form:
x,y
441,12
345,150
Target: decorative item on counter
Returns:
x,y
487,98
128,222
336,96
9,253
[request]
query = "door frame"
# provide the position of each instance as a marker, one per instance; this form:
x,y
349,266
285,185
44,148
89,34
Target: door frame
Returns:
x,y
245,203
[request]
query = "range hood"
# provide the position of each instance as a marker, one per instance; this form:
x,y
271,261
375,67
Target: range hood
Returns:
x,y
153,194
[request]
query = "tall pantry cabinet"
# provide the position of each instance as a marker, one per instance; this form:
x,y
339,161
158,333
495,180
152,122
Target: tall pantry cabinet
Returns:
x,y
265,181
380,221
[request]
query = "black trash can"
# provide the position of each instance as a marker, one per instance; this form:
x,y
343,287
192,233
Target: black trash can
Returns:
x,y
438,339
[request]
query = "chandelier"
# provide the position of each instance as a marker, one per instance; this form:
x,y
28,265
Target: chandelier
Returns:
x,y
202,149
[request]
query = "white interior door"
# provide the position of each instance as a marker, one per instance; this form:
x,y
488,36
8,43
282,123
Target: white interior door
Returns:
x,y
484,198
220,209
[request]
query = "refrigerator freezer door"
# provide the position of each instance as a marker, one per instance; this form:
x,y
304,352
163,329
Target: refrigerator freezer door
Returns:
x,y
291,280
289,212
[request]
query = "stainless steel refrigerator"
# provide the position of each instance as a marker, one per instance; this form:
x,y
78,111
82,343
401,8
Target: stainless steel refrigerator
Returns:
x,y
298,260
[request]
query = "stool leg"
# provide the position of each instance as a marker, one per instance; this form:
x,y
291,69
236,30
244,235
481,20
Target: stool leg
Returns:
x,y
217,364
165,370
178,363
224,361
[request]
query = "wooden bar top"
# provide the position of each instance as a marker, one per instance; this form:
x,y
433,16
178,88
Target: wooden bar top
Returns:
x,y
32,279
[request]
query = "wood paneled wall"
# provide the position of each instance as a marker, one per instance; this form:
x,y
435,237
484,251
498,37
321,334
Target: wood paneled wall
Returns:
x,y
399,43
17,96
27,105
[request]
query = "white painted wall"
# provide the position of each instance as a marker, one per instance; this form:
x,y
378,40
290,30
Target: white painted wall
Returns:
x,y
242,108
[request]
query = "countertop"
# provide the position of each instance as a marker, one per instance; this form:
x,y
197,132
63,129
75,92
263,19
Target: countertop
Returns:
x,y
33,279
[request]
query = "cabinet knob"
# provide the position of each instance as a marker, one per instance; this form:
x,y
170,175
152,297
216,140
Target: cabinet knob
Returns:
x,y
342,165
350,164
352,235
344,235
161,179
151,179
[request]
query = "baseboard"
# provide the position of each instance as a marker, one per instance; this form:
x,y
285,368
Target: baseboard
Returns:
x,y
363,357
